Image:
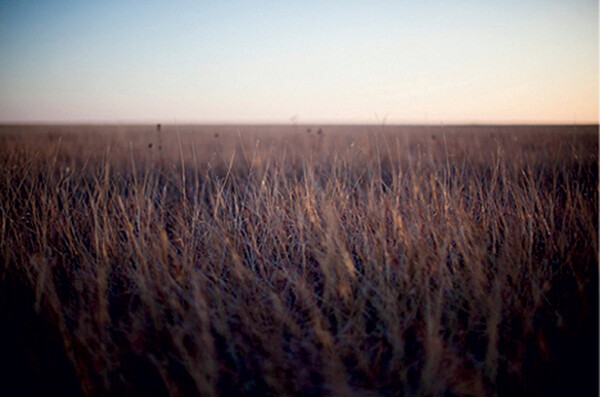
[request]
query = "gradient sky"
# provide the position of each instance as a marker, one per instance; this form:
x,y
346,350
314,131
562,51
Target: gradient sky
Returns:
x,y
314,62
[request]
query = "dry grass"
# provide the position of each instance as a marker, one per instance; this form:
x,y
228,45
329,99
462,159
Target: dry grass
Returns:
x,y
359,261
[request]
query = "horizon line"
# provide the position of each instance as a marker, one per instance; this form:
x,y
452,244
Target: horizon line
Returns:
x,y
294,124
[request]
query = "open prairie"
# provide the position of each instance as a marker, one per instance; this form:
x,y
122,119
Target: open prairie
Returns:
x,y
299,260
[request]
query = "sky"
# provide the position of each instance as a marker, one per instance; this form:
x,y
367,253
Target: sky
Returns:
x,y
480,61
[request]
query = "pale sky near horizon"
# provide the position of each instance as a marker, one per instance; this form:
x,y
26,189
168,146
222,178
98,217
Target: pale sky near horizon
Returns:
x,y
479,61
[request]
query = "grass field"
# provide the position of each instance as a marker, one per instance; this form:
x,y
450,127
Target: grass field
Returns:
x,y
299,260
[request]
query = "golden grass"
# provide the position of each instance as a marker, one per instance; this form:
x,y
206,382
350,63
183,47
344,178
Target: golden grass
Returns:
x,y
358,261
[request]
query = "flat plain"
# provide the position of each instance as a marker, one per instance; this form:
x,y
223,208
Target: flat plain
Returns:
x,y
299,260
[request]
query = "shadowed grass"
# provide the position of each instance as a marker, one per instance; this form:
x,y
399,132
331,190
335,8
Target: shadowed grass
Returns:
x,y
357,261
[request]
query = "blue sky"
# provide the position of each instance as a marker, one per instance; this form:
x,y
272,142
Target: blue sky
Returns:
x,y
320,62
